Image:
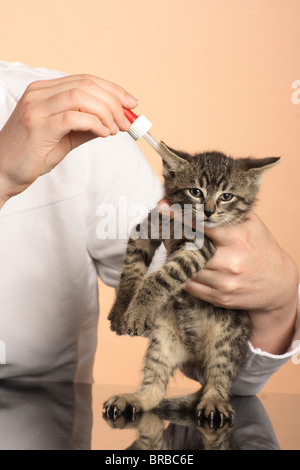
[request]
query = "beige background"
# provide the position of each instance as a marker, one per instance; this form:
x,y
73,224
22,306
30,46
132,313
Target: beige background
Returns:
x,y
226,66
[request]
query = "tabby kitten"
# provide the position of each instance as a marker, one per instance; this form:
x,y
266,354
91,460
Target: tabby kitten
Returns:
x,y
186,331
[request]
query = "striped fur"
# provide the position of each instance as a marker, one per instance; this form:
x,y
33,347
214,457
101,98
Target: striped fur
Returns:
x,y
186,331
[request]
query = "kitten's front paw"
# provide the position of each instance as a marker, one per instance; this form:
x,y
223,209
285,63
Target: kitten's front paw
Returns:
x,y
215,410
116,317
139,318
125,404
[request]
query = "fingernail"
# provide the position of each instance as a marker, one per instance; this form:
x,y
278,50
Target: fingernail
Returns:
x,y
163,207
106,131
132,100
115,128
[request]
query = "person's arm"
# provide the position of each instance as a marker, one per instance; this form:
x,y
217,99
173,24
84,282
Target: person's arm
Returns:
x,y
52,118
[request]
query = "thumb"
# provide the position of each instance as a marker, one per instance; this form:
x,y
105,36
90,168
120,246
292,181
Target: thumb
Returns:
x,y
173,211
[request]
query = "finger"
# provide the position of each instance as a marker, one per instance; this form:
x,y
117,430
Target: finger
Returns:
x,y
63,123
211,278
69,95
119,92
201,291
168,210
177,213
167,244
85,80
78,100
183,213
214,297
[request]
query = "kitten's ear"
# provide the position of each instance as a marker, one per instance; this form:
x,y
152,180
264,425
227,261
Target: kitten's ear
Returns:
x,y
257,166
170,158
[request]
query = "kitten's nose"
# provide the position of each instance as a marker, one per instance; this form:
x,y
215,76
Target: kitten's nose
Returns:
x,y
209,212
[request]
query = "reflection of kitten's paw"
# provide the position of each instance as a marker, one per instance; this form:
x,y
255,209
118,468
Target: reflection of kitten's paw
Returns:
x,y
214,409
139,317
217,437
127,404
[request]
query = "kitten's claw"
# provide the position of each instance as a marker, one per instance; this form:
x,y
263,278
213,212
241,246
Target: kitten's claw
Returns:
x,y
137,331
138,328
211,420
132,332
215,411
116,413
127,405
111,412
139,316
215,419
199,418
133,413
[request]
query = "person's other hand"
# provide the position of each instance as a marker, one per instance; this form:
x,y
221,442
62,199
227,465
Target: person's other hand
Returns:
x,y
251,272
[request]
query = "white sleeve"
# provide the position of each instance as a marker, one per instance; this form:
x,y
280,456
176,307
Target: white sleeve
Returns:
x,y
121,189
260,365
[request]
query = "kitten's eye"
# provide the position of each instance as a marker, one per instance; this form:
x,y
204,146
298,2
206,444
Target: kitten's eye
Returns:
x,y
226,197
196,192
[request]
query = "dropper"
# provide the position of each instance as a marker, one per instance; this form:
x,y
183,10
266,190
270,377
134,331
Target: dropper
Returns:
x,y
140,126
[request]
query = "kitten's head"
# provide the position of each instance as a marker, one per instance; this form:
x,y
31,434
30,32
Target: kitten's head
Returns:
x,y
225,186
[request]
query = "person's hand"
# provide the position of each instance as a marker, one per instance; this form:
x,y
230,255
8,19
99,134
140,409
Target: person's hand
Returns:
x,y
251,272
52,118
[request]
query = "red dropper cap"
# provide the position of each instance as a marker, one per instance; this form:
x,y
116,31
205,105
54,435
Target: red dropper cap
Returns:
x,y
140,127
130,115
139,124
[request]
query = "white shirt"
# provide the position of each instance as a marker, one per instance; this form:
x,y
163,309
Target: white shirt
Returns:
x,y
51,254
